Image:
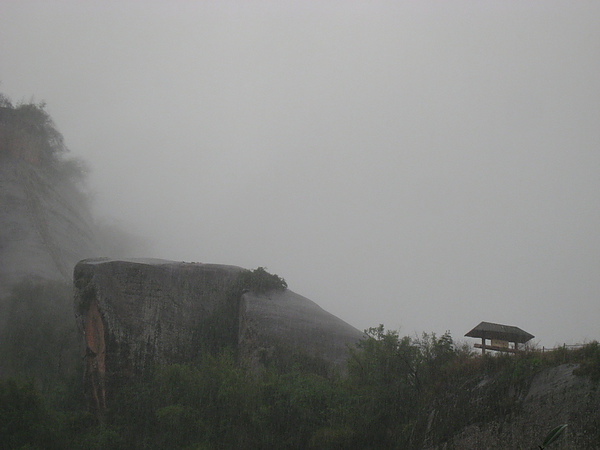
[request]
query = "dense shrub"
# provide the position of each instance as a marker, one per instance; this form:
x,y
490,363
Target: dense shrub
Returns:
x,y
28,134
25,421
39,340
398,390
260,281
589,357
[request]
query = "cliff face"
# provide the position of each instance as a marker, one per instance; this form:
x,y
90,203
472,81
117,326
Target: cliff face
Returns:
x,y
137,313
45,222
45,227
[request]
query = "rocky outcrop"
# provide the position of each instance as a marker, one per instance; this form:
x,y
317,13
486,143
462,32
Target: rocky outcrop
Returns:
x,y
286,320
522,415
138,313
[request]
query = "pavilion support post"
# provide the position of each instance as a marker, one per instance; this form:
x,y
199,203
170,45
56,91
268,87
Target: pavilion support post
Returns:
x,y
483,346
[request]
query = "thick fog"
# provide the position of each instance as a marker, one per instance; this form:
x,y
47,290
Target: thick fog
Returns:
x,y
425,165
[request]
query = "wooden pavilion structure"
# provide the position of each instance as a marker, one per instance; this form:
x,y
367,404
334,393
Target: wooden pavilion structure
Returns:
x,y
503,338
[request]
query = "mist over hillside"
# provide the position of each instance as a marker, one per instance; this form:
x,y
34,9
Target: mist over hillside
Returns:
x,y
431,163
253,384
46,221
426,165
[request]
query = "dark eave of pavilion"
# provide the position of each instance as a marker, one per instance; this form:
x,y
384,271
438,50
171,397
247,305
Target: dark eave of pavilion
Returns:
x,y
488,330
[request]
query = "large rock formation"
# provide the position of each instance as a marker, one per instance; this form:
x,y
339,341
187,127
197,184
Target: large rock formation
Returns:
x,y
138,313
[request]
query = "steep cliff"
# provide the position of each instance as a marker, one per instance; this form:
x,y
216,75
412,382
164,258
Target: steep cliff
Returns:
x,y
45,225
45,221
135,314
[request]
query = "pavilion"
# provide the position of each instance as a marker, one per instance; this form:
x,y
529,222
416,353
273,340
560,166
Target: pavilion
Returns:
x,y
504,338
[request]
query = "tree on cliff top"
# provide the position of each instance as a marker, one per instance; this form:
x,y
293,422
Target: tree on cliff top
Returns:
x,y
260,281
28,133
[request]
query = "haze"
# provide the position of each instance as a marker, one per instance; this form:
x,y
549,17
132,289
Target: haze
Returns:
x,y
426,165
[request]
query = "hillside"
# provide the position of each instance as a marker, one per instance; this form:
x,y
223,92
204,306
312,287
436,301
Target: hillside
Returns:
x,y
191,355
512,410
45,222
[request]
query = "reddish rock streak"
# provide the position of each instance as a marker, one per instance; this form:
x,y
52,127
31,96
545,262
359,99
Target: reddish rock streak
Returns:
x,y
95,355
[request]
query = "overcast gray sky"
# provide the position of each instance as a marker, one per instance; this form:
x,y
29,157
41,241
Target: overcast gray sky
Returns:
x,y
426,165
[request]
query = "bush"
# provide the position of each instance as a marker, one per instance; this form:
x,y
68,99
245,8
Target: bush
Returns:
x,y
39,340
260,281
589,357
24,420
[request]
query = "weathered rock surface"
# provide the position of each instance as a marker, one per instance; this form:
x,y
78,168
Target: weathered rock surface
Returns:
x,y
525,414
45,226
136,313
288,320
151,309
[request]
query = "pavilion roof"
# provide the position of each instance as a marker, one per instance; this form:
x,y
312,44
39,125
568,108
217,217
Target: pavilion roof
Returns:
x,y
488,330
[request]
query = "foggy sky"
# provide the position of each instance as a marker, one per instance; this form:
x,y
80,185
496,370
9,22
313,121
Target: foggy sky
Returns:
x,y
425,165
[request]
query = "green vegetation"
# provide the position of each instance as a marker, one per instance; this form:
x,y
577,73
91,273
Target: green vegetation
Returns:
x,y
260,281
398,390
589,359
25,422
553,435
41,400
28,134
39,339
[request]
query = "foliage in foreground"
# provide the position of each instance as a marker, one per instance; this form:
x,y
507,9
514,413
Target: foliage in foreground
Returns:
x,y
392,384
